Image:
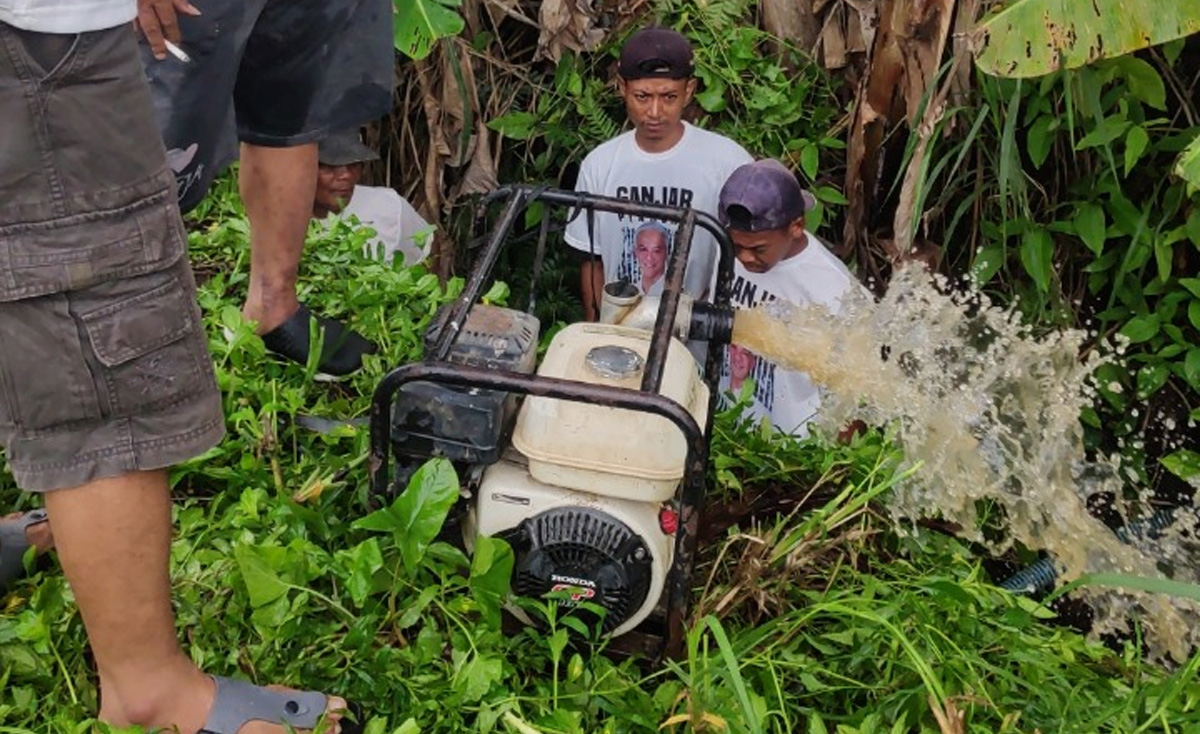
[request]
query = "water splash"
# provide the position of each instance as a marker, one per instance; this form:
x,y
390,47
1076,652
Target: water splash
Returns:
x,y
990,411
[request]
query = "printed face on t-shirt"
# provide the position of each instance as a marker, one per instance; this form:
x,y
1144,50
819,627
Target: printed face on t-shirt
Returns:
x,y
335,186
650,251
741,365
655,107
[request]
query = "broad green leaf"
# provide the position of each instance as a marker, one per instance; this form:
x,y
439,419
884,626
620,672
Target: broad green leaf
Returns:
x,y
417,515
1191,367
1163,255
418,24
1144,82
987,263
712,97
1183,463
477,677
491,571
1193,225
1090,225
1037,254
258,568
810,160
1194,312
515,125
1035,37
1151,378
1140,329
365,560
1192,285
412,615
830,195
1187,167
1040,139
1107,130
1135,144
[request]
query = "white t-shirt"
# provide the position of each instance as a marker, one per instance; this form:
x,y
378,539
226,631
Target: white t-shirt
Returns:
x,y
689,174
398,227
67,16
815,275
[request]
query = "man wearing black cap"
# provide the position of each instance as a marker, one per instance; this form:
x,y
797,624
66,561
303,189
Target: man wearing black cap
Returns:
x,y
663,160
763,206
399,229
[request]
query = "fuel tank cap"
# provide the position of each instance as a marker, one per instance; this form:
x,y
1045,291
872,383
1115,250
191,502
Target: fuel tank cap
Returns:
x,y
614,362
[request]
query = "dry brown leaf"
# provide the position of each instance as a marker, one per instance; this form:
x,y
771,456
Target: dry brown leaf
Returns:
x,y
481,176
566,24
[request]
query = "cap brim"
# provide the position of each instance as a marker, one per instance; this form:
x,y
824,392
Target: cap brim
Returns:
x,y
345,154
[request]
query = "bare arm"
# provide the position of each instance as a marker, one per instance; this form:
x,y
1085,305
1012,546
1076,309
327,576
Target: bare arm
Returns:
x,y
591,287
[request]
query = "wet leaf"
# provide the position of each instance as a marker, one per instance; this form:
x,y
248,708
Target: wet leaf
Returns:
x,y
1183,463
988,262
1140,329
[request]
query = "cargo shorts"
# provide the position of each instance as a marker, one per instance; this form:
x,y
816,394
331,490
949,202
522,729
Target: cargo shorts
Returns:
x,y
273,73
104,365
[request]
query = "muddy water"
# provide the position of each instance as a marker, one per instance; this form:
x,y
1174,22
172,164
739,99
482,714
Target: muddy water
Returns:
x,y
990,415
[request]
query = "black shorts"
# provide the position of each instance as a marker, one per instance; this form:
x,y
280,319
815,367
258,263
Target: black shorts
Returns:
x,y
104,364
273,73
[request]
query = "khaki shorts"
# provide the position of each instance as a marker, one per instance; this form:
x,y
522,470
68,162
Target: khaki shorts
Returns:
x,y
104,366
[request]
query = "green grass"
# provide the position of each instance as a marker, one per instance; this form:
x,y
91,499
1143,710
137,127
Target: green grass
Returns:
x,y
826,619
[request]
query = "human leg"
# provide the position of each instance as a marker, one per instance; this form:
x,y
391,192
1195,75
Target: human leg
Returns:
x,y
334,60
277,187
105,377
114,544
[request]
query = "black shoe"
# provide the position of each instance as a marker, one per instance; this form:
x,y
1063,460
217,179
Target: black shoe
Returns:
x,y
342,348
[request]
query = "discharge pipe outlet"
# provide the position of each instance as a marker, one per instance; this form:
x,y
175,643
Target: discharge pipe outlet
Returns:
x,y
623,305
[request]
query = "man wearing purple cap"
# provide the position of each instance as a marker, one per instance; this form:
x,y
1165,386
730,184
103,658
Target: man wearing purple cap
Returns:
x,y
763,207
663,160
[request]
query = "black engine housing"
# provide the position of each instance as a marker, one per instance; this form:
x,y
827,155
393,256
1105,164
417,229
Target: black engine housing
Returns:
x,y
587,550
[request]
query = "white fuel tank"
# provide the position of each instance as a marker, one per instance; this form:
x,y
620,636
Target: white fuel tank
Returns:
x,y
600,449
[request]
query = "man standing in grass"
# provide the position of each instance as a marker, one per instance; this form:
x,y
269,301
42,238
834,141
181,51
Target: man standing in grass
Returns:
x,y
763,206
105,375
663,160
275,76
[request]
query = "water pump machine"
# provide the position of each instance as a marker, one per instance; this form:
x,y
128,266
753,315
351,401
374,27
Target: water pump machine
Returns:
x,y
591,462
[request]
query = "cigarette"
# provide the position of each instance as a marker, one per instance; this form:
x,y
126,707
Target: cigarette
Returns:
x,y
177,52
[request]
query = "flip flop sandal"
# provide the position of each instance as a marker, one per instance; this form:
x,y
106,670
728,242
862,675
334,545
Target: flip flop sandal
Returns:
x,y
342,349
14,543
238,703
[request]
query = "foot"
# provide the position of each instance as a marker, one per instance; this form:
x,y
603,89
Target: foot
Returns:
x,y
39,535
342,348
208,705
18,532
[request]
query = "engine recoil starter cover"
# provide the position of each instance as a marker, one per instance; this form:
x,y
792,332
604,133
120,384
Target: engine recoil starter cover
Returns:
x,y
587,552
